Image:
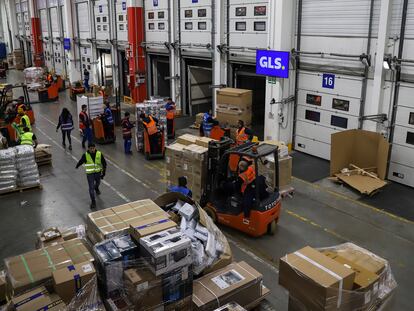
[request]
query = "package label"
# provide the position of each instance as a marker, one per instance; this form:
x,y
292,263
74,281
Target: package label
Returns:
x,y
87,268
141,287
227,279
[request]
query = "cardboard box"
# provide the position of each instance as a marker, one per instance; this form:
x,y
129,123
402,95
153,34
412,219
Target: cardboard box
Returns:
x,y
143,288
69,281
38,299
282,148
235,97
199,118
310,275
237,282
166,251
365,150
231,307
119,303
187,139
203,141
230,117
110,222
35,267
2,286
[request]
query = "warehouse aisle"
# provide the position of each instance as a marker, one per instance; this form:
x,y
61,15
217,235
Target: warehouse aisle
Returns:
x,y
314,216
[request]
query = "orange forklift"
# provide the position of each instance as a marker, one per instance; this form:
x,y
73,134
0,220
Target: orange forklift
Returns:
x,y
159,153
224,205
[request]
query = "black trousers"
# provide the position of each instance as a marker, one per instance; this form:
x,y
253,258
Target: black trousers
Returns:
x,y
170,128
64,134
94,180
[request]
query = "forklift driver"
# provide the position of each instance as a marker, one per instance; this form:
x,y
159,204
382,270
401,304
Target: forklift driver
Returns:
x,y
150,124
246,184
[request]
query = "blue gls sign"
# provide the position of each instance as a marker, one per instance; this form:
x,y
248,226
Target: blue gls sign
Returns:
x,y
272,63
66,44
328,81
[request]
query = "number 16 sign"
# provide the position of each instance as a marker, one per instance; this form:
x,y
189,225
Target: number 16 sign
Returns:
x,y
328,81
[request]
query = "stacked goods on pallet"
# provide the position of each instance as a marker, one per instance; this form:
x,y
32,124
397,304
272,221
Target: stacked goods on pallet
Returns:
x,y
34,78
93,103
268,170
43,155
54,235
188,158
154,107
8,170
234,105
28,172
343,277
18,59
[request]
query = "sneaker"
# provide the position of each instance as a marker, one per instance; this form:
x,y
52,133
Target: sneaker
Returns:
x,y
93,205
64,145
246,221
98,192
70,147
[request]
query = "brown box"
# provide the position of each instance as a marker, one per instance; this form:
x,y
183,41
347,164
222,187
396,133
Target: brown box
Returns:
x,y
235,97
113,221
230,117
187,139
147,226
35,267
311,276
174,153
143,288
363,149
199,118
49,237
204,141
69,280
38,299
236,282
2,286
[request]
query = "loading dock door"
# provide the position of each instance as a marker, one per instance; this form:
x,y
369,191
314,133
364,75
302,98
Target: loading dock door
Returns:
x,y
199,92
161,70
401,167
322,111
105,61
251,81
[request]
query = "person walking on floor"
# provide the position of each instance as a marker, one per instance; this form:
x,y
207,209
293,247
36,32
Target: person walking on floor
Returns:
x,y
66,125
95,167
127,127
85,126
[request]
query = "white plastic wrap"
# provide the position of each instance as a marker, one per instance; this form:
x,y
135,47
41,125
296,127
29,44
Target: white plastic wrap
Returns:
x,y
34,77
8,171
28,172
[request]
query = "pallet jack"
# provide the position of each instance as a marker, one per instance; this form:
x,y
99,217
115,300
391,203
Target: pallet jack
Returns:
x,y
225,207
99,133
160,152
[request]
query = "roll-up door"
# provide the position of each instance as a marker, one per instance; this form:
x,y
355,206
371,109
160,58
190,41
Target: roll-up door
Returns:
x,y
83,20
47,44
326,104
101,20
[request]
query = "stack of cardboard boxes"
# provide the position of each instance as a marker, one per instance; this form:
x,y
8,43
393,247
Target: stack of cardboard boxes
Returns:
x,y
234,105
268,169
346,277
18,59
188,157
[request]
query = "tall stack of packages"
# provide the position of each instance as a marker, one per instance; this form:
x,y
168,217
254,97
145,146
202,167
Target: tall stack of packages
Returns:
x,y
188,158
154,107
28,172
234,105
18,59
8,171
268,170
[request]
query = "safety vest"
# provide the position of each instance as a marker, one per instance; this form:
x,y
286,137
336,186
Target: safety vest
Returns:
x,y
93,167
248,177
26,139
241,136
27,121
207,126
151,126
217,133
82,125
179,189
108,115
170,112
49,78
67,125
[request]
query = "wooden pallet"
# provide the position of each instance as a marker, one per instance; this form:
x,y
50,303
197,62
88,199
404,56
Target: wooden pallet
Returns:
x,y
287,191
22,189
43,157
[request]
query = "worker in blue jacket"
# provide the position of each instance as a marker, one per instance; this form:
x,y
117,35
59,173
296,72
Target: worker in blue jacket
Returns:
x,y
108,121
182,187
207,123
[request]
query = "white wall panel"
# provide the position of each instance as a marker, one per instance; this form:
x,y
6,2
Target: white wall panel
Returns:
x,y
314,147
195,29
82,14
54,22
44,22
121,20
58,57
101,14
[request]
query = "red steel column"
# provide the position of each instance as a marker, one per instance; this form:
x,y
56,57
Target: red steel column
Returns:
x,y
136,56
37,42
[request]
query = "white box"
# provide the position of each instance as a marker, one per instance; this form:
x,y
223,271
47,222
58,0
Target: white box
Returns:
x,y
166,250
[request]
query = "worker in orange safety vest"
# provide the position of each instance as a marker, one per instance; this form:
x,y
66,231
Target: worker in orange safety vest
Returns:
x,y
170,107
243,134
246,180
150,124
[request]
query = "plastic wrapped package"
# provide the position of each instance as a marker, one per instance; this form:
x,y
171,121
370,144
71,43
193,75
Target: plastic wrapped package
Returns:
x,y
8,171
145,291
28,172
211,250
87,299
54,235
33,77
343,277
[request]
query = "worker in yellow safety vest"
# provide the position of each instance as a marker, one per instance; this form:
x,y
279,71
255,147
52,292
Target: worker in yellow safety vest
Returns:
x,y
24,120
95,168
28,138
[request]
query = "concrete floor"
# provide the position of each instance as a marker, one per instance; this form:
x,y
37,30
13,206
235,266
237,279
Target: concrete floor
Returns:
x,y
315,216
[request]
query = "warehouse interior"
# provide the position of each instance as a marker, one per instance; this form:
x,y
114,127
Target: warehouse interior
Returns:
x,y
155,197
